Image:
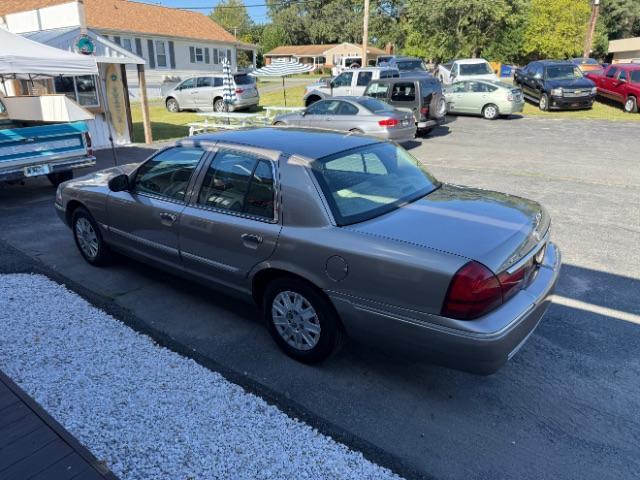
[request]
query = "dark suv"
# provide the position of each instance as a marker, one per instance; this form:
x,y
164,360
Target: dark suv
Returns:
x,y
554,84
423,96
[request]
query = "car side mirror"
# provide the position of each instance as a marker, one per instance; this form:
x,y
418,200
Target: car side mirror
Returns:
x,y
119,183
303,113
622,80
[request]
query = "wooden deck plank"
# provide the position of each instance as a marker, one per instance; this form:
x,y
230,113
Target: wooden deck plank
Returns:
x,y
37,462
25,447
73,465
18,429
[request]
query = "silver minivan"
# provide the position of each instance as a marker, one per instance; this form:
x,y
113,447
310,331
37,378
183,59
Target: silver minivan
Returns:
x,y
206,92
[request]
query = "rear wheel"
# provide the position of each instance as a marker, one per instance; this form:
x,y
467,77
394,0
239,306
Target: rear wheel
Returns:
x,y
301,321
218,105
490,112
89,239
58,177
543,104
631,105
172,105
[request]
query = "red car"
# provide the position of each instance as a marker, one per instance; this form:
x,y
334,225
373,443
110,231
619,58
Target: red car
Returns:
x,y
619,82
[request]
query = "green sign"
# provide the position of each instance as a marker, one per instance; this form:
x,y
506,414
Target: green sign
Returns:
x,y
85,45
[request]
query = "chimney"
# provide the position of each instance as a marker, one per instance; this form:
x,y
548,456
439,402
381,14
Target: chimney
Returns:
x,y
389,48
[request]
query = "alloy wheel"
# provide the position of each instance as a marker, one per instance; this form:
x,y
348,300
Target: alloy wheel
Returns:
x,y
172,105
629,105
490,112
296,320
87,237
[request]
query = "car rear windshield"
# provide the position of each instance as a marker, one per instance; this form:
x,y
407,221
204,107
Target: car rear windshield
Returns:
x,y
475,69
244,79
375,106
366,182
563,72
635,76
410,65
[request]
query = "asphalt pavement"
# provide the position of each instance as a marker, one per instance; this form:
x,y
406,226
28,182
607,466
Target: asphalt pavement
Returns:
x,y
566,407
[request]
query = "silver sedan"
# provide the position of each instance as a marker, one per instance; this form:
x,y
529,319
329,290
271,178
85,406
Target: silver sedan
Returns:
x,y
330,234
363,115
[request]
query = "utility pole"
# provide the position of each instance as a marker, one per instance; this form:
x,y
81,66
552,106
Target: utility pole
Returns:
x,y
595,7
365,33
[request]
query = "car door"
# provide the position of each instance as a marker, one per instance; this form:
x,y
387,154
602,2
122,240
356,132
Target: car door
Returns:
x,y
203,93
320,114
608,80
344,116
363,78
455,95
231,222
618,92
184,93
342,85
477,96
144,220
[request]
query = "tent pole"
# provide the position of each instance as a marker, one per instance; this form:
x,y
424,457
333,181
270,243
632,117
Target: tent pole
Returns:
x,y
284,90
4,85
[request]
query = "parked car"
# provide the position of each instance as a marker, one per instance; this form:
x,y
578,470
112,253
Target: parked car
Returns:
x,y
207,92
555,84
408,66
31,148
349,83
346,63
466,69
620,83
489,99
381,60
587,65
363,115
421,95
330,233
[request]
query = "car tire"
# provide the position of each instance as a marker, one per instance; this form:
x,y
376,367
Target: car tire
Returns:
x,y
278,124
490,112
218,105
631,105
57,178
357,131
543,103
89,239
172,105
286,300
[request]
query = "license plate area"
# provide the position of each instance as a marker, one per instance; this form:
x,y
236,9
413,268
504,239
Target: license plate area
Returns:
x,y
405,123
37,170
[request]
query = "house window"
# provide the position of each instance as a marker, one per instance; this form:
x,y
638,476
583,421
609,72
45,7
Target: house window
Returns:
x,y
82,89
199,55
229,55
216,58
127,44
161,54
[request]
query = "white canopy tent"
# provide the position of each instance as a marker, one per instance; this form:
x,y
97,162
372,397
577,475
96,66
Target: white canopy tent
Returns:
x,y
21,56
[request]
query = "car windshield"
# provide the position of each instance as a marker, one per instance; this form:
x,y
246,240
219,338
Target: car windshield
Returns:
x,y
635,76
563,72
475,69
410,65
369,181
375,106
244,79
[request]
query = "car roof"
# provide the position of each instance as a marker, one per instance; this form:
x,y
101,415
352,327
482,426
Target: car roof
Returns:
x,y
626,66
547,63
469,61
309,143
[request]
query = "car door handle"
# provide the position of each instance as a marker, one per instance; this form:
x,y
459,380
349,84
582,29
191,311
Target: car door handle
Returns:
x,y
251,240
168,218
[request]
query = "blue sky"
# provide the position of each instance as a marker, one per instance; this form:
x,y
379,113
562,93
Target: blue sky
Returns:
x,y
258,14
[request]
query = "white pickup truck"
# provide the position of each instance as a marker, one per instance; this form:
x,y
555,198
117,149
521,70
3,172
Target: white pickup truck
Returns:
x,y
350,83
465,69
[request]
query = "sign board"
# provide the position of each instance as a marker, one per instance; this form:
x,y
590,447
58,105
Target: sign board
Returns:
x,y
116,101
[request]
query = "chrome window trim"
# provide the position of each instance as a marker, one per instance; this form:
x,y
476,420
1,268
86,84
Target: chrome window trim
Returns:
x,y
275,172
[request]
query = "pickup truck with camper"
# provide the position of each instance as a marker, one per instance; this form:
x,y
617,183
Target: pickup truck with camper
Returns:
x,y
350,83
346,63
466,69
619,82
43,136
555,85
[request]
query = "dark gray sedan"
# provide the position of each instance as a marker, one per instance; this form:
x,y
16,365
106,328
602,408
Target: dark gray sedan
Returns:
x,y
357,115
330,234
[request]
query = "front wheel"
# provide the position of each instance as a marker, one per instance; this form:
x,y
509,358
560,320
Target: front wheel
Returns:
x,y
631,105
544,102
57,178
301,321
89,239
490,112
172,105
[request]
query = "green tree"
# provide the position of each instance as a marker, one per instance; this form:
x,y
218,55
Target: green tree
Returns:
x,y
443,29
556,28
232,16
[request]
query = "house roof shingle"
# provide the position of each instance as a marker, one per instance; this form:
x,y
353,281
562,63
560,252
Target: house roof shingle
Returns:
x,y
134,17
302,50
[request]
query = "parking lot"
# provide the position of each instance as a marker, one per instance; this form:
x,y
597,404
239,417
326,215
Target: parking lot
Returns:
x,y
567,406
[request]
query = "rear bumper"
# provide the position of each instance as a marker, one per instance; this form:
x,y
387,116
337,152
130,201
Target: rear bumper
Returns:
x,y
511,108
431,123
399,135
16,173
480,346
242,103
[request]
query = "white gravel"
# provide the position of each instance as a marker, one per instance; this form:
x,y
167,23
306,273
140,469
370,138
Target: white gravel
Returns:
x,y
148,412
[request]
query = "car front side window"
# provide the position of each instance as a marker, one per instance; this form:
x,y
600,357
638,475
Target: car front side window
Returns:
x,y
343,80
190,83
168,173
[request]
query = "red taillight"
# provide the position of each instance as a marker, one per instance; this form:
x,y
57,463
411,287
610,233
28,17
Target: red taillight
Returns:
x,y
474,290
510,97
424,111
239,90
88,144
388,122
513,282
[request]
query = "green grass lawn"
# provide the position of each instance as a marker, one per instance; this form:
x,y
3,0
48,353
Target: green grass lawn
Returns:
x,y
166,125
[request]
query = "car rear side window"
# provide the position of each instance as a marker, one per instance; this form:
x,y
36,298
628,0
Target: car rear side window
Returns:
x,y
204,82
378,90
168,173
218,81
364,78
244,79
403,92
375,106
239,183
346,108
623,75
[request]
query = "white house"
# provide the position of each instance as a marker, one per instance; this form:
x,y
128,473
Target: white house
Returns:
x,y
174,43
